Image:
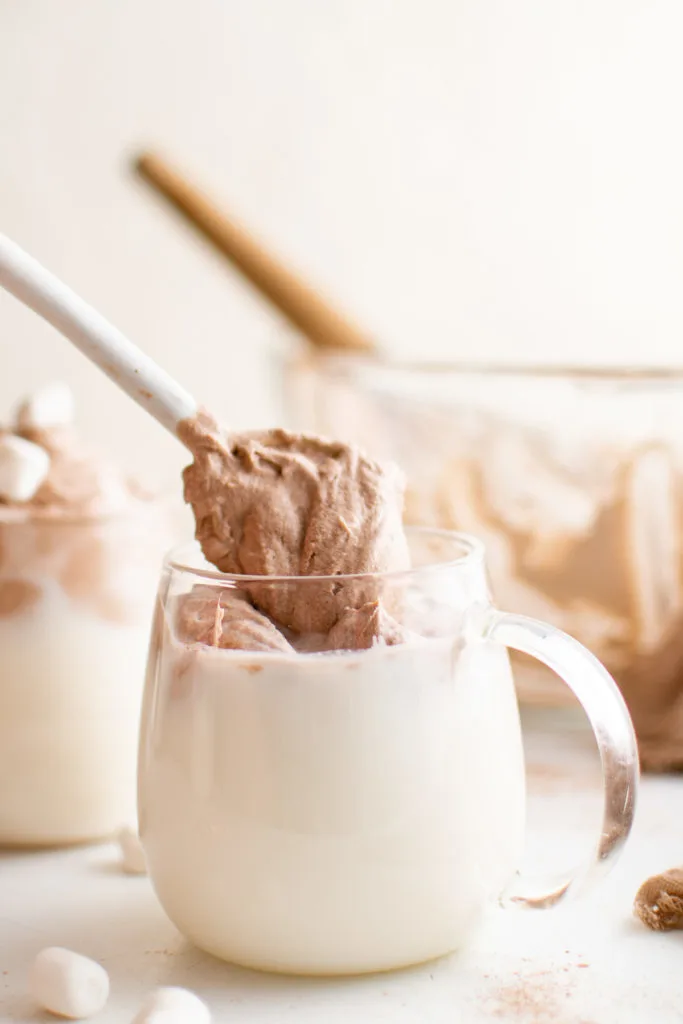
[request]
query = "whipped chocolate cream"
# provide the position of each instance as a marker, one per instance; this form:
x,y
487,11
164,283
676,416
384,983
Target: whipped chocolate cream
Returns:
x,y
280,504
224,618
79,480
219,617
70,522
360,628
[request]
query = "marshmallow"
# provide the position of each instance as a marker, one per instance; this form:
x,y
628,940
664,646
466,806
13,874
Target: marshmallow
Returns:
x,y
132,853
51,406
23,468
68,984
172,1006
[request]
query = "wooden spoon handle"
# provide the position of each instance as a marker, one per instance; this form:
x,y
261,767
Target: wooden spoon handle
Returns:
x,y
299,302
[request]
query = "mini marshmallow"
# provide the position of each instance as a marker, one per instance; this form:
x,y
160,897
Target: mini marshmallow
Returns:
x,y
68,984
172,1006
51,406
23,468
132,853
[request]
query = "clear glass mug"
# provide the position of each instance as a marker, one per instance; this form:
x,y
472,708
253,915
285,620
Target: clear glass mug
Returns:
x,y
349,812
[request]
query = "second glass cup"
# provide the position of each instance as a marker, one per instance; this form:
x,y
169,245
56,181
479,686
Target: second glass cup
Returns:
x,y
347,812
76,597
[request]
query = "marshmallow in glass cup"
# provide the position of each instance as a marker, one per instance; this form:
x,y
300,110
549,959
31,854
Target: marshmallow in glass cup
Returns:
x,y
80,547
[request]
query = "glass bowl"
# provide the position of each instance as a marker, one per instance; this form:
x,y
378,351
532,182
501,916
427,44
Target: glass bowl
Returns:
x,y
572,477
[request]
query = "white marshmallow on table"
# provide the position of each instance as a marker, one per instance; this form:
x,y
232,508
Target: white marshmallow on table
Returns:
x,y
132,854
51,406
68,984
172,1006
23,468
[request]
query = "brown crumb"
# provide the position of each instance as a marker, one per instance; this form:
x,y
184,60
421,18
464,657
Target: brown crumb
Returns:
x,y
659,901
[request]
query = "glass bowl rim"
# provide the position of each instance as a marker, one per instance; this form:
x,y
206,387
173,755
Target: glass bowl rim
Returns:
x,y
350,362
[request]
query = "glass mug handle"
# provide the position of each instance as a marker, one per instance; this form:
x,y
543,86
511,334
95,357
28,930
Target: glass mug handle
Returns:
x,y
602,702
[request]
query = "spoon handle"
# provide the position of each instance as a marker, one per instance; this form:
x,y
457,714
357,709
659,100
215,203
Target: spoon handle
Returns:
x,y
121,360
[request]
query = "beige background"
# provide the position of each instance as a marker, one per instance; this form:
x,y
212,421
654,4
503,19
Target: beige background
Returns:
x,y
494,179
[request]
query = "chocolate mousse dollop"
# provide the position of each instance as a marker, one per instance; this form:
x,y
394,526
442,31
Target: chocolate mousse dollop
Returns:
x,y
221,617
274,503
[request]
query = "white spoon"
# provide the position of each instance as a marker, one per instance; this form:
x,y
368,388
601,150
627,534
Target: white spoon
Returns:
x,y
121,360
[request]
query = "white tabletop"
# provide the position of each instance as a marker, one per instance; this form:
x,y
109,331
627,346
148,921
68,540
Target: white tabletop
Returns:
x,y
589,963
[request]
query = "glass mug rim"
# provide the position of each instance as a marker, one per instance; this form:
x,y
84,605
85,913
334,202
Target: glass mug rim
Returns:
x,y
472,552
